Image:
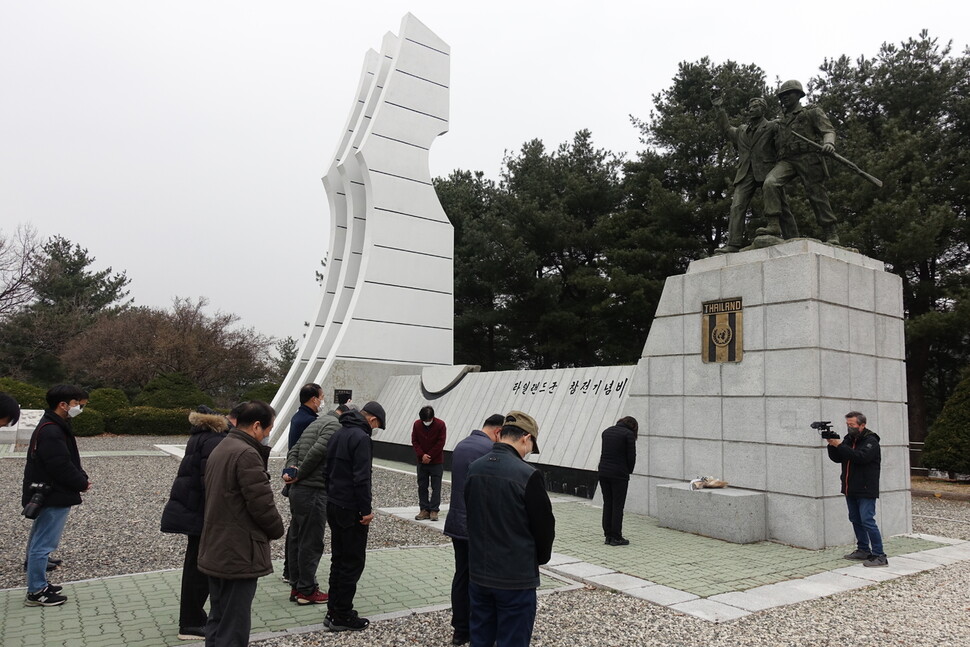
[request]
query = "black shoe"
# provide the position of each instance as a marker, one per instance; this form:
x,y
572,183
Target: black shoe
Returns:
x,y
619,541
858,555
609,540
192,633
876,561
351,623
53,588
460,638
51,564
45,598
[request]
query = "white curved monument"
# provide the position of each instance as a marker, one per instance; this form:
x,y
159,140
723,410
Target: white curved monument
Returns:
x,y
387,303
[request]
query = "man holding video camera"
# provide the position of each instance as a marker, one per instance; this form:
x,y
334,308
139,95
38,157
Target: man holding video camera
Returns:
x,y
860,458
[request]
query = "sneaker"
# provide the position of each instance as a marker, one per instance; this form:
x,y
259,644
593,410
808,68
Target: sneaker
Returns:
x,y
460,637
54,588
45,598
876,560
192,633
433,515
609,540
327,621
619,541
286,579
858,555
293,594
424,514
352,623
317,597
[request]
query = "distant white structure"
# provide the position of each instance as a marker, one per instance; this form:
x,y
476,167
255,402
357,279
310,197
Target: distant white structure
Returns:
x,y
387,305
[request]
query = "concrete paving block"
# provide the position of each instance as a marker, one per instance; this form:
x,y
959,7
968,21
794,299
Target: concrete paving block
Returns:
x,y
558,559
828,583
659,594
907,566
764,597
582,569
619,581
864,573
710,610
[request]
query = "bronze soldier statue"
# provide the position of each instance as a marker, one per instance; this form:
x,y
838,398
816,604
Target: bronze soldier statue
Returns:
x,y
804,136
756,142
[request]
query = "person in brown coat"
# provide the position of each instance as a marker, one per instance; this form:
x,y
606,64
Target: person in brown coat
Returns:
x,y
240,520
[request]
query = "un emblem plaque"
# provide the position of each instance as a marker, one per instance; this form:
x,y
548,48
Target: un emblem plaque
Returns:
x,y
721,331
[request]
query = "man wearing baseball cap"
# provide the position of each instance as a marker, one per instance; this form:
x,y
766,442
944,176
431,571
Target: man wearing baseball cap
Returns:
x,y
510,532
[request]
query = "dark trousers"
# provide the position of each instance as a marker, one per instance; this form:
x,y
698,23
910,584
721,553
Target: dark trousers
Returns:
x,y
348,550
286,553
459,587
501,617
741,200
195,588
614,498
304,546
230,613
430,476
810,170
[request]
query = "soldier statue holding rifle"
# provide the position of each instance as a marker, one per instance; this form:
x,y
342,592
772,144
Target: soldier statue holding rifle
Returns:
x,y
805,135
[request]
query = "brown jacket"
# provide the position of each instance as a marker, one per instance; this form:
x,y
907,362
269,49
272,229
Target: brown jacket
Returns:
x,y
240,512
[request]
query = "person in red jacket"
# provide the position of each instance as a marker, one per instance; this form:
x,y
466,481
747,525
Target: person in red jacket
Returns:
x,y
428,439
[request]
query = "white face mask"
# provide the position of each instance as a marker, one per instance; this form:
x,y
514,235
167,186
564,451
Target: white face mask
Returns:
x,y
74,411
427,424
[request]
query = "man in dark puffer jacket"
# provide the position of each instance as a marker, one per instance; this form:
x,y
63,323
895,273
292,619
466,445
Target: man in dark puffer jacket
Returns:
x,y
184,513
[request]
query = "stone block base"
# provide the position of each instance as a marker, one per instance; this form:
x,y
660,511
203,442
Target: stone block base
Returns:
x,y
730,514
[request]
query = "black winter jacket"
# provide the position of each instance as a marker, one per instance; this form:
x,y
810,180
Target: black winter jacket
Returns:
x,y
53,458
860,458
185,509
619,455
349,455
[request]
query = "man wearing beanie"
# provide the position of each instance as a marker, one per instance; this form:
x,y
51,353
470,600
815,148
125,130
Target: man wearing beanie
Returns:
x,y
348,486
510,533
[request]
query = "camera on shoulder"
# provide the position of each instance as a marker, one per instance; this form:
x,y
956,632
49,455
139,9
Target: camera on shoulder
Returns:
x,y
40,490
824,428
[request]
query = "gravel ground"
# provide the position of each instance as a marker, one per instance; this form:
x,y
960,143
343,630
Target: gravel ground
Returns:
x,y
116,532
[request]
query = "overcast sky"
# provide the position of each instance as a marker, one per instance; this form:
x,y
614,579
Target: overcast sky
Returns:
x,y
183,141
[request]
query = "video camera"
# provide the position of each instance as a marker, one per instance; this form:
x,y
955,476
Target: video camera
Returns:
x,y
824,428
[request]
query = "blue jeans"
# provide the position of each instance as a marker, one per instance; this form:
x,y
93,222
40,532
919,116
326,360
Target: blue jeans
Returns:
x,y
862,514
501,617
44,538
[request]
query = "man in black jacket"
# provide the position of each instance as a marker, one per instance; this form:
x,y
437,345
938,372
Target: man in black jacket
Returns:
x,y
617,460
53,469
348,486
510,533
860,458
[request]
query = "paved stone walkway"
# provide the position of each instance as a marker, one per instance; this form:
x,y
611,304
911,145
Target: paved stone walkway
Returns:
x,y
707,578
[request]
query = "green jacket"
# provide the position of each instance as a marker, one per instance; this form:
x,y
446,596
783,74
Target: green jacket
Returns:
x,y
309,454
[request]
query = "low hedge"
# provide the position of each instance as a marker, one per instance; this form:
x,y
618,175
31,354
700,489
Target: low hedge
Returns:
x,y
91,422
148,421
27,396
108,400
